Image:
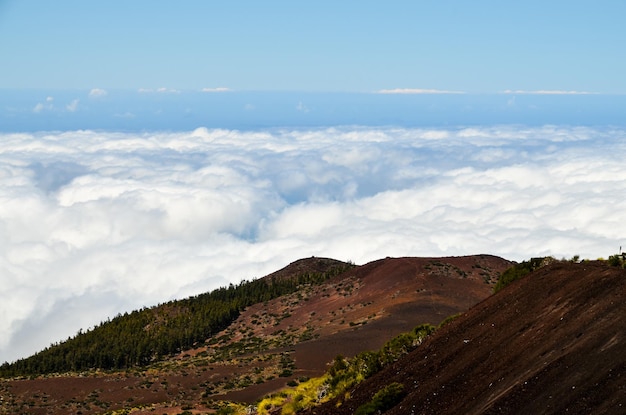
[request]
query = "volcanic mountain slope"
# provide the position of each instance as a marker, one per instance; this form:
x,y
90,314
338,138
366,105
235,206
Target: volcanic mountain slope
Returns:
x,y
277,341
551,343
365,307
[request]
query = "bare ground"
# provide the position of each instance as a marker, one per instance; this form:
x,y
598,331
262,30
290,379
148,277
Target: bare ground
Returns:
x,y
551,343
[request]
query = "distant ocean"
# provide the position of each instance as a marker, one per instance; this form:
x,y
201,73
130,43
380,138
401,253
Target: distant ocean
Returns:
x,y
132,111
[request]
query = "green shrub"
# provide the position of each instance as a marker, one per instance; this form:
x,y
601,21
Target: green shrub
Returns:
x,y
285,373
520,270
384,399
615,261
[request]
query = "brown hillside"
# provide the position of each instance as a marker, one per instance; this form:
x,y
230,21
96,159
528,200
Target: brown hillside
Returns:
x,y
303,266
551,343
363,308
280,340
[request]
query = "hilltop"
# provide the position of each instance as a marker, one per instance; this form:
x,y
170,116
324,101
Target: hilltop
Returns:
x,y
551,343
330,308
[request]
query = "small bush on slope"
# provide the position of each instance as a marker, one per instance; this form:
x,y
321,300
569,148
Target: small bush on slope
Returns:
x,y
616,261
384,399
520,270
524,268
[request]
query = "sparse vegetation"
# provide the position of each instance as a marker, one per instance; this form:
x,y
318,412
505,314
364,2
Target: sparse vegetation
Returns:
x,y
150,334
524,268
616,261
520,270
384,399
344,374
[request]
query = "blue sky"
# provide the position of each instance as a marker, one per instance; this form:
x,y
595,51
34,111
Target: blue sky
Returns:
x,y
321,46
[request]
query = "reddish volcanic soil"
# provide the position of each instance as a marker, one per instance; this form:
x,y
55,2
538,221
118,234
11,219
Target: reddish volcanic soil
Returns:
x,y
551,343
364,308
353,312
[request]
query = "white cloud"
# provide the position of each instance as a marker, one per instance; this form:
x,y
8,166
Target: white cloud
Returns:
x,y
218,89
167,90
97,93
72,106
161,90
48,106
417,91
94,223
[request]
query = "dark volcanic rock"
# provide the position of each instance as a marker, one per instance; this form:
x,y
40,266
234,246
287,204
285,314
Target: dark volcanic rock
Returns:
x,y
551,343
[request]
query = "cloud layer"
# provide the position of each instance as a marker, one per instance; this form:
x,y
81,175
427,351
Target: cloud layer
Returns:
x,y
96,223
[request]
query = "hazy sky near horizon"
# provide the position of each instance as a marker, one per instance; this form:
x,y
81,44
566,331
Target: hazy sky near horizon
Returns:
x,y
152,150
322,46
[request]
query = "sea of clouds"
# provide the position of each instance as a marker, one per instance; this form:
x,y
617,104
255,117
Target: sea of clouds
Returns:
x,y
97,223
